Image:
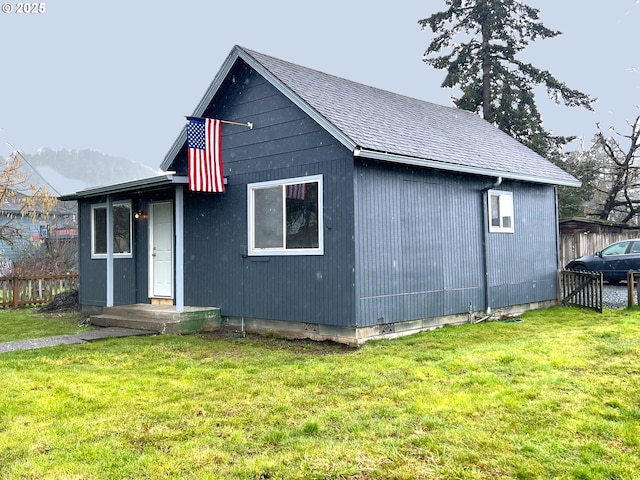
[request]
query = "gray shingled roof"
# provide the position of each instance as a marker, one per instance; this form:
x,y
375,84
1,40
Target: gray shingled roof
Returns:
x,y
425,133
383,125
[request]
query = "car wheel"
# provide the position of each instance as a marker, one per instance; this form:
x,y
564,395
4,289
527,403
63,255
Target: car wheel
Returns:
x,y
580,268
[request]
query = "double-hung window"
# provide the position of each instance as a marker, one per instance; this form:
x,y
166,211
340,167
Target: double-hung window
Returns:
x,y
285,217
121,230
500,211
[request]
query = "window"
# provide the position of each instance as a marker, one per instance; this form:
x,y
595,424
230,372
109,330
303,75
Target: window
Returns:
x,y
285,217
635,247
619,248
121,230
500,211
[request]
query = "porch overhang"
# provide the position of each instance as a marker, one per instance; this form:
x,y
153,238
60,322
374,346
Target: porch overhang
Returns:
x,y
158,181
134,187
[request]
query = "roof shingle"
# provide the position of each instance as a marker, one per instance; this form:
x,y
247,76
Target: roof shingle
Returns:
x,y
389,123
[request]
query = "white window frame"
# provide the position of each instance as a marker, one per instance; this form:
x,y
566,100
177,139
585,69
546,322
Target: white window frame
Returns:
x,y
252,187
96,206
505,210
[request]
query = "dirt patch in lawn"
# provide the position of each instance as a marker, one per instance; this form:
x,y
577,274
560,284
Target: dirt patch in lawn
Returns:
x,y
295,345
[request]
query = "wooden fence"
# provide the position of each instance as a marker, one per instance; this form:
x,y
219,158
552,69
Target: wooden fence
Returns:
x,y
581,289
575,245
33,290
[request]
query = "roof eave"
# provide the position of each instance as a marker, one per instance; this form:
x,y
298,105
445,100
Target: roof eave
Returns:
x,y
144,183
406,160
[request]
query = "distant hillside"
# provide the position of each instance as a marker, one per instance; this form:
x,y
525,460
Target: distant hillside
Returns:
x,y
69,171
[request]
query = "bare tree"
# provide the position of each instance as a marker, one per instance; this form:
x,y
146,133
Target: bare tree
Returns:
x,y
20,199
618,185
50,256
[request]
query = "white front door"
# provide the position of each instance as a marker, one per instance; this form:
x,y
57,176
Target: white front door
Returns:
x,y
161,250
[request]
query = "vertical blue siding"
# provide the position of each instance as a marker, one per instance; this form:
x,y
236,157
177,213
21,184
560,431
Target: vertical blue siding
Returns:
x,y
93,272
523,265
415,257
419,245
284,143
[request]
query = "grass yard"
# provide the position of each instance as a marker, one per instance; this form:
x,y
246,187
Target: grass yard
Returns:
x,y
25,323
554,396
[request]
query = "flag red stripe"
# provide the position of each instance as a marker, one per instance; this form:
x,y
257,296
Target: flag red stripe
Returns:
x,y
205,166
215,181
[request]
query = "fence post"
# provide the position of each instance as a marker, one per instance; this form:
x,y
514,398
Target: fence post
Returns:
x,y
16,292
630,288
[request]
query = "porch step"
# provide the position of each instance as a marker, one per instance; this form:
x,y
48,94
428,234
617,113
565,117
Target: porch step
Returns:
x,y
163,319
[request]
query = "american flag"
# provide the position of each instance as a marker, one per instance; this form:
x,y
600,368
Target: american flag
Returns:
x,y
297,191
205,155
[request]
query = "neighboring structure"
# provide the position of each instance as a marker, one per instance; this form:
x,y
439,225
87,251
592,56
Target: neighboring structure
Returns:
x,y
585,236
349,213
34,227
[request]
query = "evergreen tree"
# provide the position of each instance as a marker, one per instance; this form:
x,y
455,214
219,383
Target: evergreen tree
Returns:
x,y
585,166
492,80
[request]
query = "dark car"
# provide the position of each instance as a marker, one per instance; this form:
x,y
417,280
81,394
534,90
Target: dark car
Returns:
x,y
613,261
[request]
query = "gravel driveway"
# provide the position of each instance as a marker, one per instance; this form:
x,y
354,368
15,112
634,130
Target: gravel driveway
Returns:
x,y
614,296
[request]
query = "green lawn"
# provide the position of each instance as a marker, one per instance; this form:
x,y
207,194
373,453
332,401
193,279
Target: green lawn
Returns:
x,y
554,396
26,323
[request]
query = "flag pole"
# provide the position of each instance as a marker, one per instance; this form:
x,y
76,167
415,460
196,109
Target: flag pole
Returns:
x,y
249,125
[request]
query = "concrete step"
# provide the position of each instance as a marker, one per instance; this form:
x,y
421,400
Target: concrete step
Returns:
x,y
151,325
159,318
143,310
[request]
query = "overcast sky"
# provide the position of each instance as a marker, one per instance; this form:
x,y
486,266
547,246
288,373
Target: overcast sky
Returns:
x,y
118,76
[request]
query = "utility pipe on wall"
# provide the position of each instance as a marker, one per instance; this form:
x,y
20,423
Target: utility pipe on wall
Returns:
x,y
485,241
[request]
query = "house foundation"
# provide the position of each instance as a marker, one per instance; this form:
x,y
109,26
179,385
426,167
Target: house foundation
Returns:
x,y
164,319
356,336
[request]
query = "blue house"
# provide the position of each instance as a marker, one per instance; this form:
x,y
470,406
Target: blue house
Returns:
x,y
349,213
32,229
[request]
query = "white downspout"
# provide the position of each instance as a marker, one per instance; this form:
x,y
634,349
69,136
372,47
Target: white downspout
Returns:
x,y
485,249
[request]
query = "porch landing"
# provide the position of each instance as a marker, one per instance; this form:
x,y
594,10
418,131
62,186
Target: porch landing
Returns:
x,y
162,319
